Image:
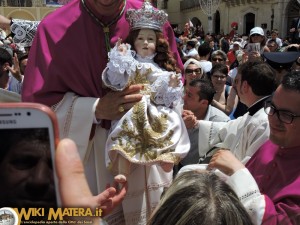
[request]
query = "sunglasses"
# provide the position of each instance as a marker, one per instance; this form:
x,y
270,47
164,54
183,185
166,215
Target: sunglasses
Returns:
x,y
217,59
189,71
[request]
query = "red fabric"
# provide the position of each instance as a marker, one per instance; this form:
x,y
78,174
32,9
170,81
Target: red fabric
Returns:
x,y
231,56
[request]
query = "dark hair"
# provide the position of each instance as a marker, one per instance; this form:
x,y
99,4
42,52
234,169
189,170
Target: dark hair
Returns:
x,y
260,76
199,198
164,57
22,56
291,81
191,43
6,55
219,68
272,41
204,49
206,91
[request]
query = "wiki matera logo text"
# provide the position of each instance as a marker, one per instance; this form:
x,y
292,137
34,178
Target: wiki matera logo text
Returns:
x,y
8,216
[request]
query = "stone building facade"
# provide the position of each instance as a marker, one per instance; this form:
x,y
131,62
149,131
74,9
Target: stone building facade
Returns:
x,y
269,14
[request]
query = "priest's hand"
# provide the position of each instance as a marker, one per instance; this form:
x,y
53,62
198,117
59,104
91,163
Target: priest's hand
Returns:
x,y
115,104
226,162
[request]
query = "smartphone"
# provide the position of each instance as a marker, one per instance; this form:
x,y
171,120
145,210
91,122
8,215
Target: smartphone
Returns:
x,y
28,139
253,47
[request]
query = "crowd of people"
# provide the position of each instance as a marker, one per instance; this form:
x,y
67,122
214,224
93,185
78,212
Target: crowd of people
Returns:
x,y
192,128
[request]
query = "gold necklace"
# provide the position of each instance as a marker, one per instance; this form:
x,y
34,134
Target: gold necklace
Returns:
x,y
105,27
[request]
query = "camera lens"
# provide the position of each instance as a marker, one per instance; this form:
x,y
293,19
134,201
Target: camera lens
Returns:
x,y
28,113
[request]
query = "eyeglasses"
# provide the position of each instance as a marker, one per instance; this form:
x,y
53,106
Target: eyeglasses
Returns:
x,y
217,59
219,77
271,46
283,115
196,71
255,35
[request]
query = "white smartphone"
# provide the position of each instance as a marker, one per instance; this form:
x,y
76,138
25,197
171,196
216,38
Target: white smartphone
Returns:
x,y
28,138
253,47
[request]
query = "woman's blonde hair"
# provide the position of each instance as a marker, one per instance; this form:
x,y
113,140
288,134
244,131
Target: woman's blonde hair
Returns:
x,y
199,198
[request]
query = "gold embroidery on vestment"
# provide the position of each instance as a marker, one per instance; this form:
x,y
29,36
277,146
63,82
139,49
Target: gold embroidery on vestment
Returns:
x,y
145,138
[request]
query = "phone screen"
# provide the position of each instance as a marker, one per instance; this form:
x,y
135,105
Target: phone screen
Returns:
x,y
27,144
253,47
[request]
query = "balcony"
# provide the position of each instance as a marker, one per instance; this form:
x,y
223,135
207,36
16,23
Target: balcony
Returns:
x,y
189,4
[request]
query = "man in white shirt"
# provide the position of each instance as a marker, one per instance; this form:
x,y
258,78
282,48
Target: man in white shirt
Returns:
x,y
204,54
254,83
191,50
197,106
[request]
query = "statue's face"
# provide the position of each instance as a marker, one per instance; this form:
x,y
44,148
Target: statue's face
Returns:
x,y
145,43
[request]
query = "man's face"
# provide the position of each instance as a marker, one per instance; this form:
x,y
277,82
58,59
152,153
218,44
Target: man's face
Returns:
x,y
145,43
106,7
187,26
237,85
26,176
3,70
192,72
23,65
272,46
236,47
282,134
191,99
274,36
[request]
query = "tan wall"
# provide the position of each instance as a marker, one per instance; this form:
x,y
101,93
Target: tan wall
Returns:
x,y
28,13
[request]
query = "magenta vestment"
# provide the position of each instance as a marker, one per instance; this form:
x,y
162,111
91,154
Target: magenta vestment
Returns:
x,y
277,173
68,54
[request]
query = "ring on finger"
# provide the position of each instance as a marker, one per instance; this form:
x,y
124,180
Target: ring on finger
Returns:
x,y
121,109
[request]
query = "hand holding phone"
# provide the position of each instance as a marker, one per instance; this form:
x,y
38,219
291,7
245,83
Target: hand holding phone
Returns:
x,y
253,47
28,138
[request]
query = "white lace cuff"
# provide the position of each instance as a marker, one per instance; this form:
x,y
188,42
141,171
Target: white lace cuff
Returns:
x,y
122,63
164,94
243,184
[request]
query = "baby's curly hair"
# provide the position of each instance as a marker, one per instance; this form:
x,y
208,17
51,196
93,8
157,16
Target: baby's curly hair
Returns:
x,y
164,57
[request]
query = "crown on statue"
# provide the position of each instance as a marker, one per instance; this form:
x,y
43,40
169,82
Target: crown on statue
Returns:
x,y
146,17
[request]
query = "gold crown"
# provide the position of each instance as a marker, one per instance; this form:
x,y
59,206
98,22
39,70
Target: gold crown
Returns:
x,y
146,17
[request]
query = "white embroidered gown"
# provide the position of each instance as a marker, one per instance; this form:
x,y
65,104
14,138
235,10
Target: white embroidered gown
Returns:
x,y
151,134
152,131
